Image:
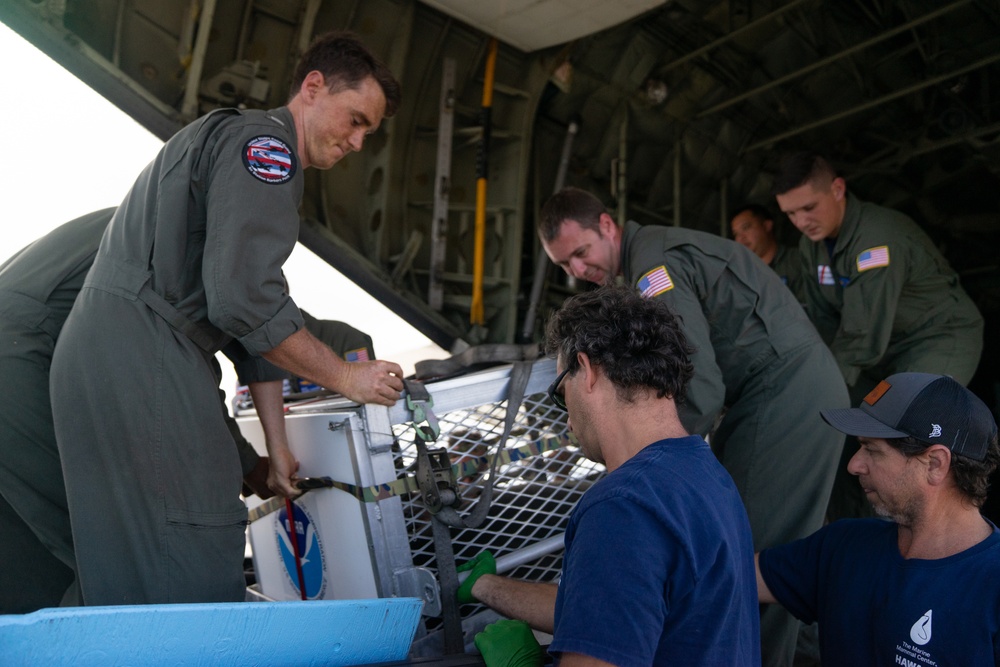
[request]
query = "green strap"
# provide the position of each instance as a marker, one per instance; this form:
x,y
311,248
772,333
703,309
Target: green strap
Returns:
x,y
408,484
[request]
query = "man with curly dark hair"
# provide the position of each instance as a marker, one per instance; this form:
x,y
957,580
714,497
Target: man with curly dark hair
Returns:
x,y
923,588
658,564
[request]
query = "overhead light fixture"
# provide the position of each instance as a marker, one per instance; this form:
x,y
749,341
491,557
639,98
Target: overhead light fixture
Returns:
x,y
656,91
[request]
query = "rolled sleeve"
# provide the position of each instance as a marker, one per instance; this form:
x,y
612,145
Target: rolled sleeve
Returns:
x,y
250,368
269,335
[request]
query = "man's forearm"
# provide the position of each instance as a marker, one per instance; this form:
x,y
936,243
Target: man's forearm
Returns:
x,y
363,382
527,601
304,355
270,405
269,402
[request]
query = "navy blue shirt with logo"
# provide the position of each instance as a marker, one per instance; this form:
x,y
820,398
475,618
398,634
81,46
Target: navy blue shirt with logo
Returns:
x,y
874,607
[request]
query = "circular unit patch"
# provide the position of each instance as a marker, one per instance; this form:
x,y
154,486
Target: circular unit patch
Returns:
x,y
269,159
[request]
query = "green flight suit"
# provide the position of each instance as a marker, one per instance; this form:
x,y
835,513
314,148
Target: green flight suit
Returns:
x,y
758,357
37,289
191,259
892,312
787,263
886,301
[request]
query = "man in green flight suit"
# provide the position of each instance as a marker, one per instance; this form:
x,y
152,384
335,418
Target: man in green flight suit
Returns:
x,y
756,355
38,286
753,227
880,293
191,259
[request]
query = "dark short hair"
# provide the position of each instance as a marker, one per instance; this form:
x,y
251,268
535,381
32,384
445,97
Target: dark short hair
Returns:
x,y
569,204
345,62
758,211
801,167
972,477
636,342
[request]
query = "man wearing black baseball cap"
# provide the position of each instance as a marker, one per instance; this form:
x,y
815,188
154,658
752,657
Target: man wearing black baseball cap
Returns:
x,y
923,588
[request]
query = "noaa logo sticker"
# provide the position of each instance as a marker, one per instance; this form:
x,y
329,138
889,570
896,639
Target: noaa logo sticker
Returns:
x,y
269,159
302,529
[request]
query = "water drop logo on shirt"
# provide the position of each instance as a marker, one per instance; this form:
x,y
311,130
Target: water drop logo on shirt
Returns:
x,y
310,551
920,633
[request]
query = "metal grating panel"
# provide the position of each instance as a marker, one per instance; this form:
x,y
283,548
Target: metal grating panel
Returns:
x,y
532,497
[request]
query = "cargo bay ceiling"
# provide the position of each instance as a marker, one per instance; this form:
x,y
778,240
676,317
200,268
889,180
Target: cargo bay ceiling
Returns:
x,y
672,112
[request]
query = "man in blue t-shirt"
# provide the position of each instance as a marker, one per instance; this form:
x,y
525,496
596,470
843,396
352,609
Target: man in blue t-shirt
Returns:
x,y
658,563
924,588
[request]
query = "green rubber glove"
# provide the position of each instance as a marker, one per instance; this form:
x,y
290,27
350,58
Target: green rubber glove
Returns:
x,y
483,563
509,644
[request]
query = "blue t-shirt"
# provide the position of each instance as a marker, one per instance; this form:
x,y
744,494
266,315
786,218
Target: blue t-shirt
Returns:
x,y
658,567
876,608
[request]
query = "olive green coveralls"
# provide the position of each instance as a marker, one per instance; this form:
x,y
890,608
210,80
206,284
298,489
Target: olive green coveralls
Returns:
x,y
898,308
758,356
37,289
191,259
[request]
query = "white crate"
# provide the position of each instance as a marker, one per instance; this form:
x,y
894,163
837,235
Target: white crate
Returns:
x,y
336,560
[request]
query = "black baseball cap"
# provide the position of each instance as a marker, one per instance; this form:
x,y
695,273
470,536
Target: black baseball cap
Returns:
x,y
931,408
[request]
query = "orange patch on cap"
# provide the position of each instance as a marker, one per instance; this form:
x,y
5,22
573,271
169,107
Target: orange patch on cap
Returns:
x,y
877,393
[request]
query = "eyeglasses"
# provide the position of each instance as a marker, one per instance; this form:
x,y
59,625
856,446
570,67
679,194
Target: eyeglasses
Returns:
x,y
558,399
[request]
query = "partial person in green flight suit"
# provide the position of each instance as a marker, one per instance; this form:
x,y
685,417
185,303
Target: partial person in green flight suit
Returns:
x,y
38,286
757,355
753,227
878,290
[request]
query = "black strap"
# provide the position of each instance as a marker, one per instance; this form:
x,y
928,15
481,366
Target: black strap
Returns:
x,y
444,555
473,358
407,484
519,375
206,338
132,282
447,517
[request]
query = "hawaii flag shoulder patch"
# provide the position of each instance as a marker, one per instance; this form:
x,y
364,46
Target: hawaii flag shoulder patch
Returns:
x,y
655,282
269,159
873,258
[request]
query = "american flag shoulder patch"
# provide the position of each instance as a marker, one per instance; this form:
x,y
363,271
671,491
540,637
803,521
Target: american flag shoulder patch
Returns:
x,y
655,282
824,275
360,354
873,258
